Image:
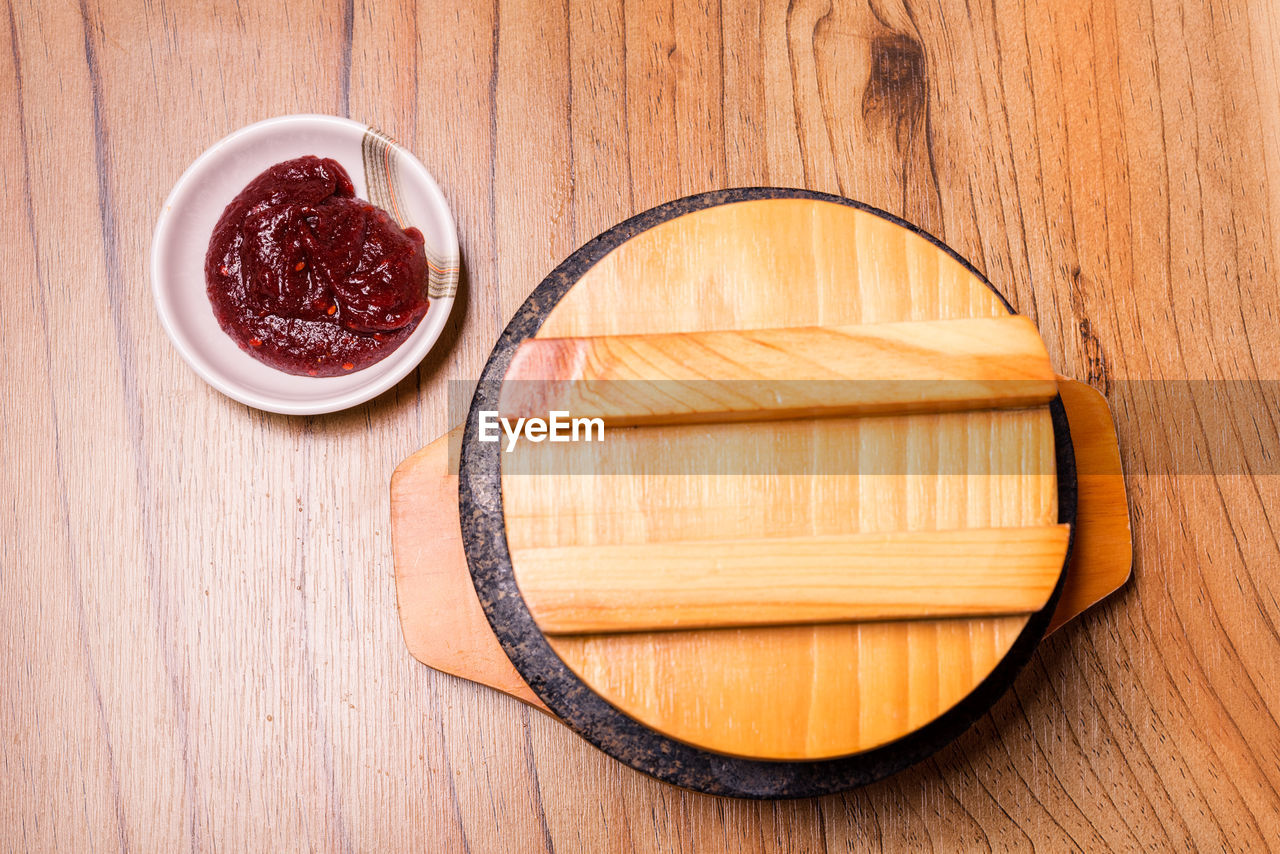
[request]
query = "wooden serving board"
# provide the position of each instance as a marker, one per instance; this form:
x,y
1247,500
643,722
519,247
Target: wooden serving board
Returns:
x,y
445,628
785,691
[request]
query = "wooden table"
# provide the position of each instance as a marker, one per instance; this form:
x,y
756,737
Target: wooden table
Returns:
x,y
201,647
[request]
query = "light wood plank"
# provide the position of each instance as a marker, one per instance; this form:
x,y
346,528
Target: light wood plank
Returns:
x,y
793,580
759,374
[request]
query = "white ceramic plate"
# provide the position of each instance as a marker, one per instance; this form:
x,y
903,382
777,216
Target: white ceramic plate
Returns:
x,y
383,172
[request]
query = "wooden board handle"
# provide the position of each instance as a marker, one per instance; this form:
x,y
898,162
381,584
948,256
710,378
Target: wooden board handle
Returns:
x,y
1102,554
971,572
733,375
440,616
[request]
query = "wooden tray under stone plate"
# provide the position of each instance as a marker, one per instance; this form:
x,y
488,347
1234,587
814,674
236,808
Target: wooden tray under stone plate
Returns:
x,y
765,626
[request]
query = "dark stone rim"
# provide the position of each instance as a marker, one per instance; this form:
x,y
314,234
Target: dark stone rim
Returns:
x,y
589,714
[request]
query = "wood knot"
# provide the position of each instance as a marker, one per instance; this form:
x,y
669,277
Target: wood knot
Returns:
x,y
896,90
1096,372
1095,360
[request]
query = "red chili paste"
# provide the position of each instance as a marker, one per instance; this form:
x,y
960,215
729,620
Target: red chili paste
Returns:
x,y
308,278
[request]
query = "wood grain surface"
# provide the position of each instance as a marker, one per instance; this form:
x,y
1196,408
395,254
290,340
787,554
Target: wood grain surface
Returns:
x,y
201,648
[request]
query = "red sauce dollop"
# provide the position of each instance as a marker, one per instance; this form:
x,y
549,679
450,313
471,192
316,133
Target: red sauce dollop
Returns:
x,y
310,279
